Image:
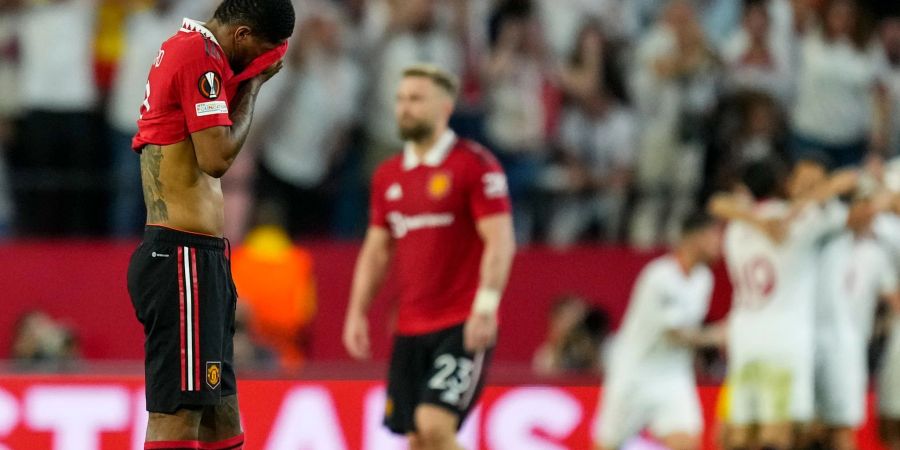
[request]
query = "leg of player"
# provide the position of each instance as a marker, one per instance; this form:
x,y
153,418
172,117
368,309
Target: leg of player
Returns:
x,y
889,429
778,436
172,431
680,441
436,428
221,425
842,438
739,437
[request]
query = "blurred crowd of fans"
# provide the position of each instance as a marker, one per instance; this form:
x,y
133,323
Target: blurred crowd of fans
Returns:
x,y
612,118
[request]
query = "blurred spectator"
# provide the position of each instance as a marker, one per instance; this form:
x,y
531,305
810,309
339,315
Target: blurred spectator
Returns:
x,y
59,151
840,107
306,118
9,102
750,129
890,40
521,104
146,31
599,143
593,66
755,58
41,341
561,20
675,85
574,336
414,34
275,280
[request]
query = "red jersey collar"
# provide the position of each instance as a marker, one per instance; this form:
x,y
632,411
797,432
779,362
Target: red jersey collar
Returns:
x,y
195,26
435,156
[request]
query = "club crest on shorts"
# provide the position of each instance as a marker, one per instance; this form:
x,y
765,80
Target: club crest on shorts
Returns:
x,y
439,185
213,374
210,85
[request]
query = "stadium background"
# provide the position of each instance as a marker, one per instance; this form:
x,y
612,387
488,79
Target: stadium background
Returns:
x,y
603,153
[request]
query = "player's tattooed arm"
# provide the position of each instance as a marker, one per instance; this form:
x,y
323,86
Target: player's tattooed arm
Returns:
x,y
151,159
217,147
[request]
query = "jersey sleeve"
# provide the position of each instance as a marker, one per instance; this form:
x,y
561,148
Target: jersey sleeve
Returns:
x,y
488,191
203,98
377,206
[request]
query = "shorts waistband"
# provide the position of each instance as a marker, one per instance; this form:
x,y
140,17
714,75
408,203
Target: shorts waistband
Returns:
x,y
156,233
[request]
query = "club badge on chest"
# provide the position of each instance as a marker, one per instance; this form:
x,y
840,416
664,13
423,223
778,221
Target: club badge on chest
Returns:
x,y
439,185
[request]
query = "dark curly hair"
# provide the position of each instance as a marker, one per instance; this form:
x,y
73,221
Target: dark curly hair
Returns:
x,y
273,20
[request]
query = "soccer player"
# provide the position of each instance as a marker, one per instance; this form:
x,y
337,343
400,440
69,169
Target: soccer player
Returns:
x,y
441,211
650,381
196,115
770,336
856,272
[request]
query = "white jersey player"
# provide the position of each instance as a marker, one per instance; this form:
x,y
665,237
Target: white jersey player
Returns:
x,y
650,377
856,271
770,327
887,231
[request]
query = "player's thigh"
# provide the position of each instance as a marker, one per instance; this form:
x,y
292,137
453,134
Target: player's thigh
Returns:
x,y
455,377
677,413
179,425
778,435
408,369
222,421
622,413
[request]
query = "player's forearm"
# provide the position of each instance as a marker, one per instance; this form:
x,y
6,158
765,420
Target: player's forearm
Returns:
x,y
242,118
713,336
371,271
496,264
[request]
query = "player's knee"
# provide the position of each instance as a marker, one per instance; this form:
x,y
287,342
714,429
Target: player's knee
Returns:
x,y
681,441
182,425
435,429
435,436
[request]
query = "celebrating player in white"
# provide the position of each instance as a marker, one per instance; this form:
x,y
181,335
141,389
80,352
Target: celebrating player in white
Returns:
x,y
856,271
770,336
650,381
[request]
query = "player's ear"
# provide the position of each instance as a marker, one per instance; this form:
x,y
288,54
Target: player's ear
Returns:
x,y
242,32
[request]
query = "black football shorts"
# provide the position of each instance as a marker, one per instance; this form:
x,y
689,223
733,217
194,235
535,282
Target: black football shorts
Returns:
x,y
433,369
183,294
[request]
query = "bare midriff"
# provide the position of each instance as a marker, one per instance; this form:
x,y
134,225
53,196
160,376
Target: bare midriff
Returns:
x,y
177,193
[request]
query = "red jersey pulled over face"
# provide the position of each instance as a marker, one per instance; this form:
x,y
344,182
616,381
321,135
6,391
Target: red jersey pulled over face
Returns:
x,y
431,208
185,90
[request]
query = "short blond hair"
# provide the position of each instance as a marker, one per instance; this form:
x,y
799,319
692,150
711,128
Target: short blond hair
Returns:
x,y
442,78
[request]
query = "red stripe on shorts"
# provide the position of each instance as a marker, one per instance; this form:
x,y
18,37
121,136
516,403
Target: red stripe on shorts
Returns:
x,y
196,311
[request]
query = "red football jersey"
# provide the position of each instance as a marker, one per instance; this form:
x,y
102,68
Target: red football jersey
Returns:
x,y
185,90
431,208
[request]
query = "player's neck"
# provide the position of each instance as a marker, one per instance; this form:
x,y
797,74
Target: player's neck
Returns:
x,y
423,146
221,32
687,259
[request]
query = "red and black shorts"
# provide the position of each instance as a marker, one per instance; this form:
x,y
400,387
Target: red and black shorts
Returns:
x,y
183,294
433,369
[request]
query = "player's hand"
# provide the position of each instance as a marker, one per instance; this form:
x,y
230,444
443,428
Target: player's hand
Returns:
x,y
356,336
270,72
480,332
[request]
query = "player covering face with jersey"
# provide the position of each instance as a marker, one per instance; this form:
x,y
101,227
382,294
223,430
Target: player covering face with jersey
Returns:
x,y
199,103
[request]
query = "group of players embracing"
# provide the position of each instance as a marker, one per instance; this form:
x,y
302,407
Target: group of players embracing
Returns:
x,y
811,253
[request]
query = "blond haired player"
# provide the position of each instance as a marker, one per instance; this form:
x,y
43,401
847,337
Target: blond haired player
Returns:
x,y
440,210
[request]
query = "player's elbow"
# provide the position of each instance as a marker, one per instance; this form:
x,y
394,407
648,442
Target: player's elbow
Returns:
x,y
214,167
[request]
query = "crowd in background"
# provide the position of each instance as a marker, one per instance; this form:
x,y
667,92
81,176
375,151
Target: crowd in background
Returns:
x,y
613,118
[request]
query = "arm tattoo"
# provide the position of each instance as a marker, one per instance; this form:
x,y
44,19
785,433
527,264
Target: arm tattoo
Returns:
x,y
151,158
